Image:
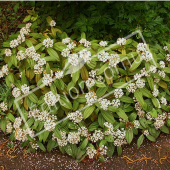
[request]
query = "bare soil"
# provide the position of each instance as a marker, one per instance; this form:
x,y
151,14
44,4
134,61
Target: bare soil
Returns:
x,y
55,160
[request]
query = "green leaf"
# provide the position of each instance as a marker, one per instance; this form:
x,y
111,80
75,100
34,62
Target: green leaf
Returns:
x,y
84,73
27,18
155,102
49,19
135,64
153,113
138,95
122,114
51,144
101,91
33,98
57,133
88,111
102,69
41,146
119,150
108,116
84,143
11,117
164,129
129,135
126,99
140,140
53,54
151,138
151,83
120,85
28,43
65,102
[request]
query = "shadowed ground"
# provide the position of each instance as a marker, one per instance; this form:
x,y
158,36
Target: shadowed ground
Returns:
x,y
56,160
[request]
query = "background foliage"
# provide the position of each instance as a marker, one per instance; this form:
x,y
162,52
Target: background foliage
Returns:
x,y
102,20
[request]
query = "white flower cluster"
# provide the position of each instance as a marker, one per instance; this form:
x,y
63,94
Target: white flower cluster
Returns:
x,y
76,117
103,43
63,141
85,55
73,59
136,124
114,59
48,119
59,74
91,152
85,42
97,135
25,89
66,40
166,48
8,52
119,137
115,103
162,64
21,134
155,91
4,71
103,150
91,97
20,55
83,131
103,56
47,79
48,42
16,92
140,83
146,132
34,145
21,37
104,103
163,101
121,41
9,127
51,99
143,52
3,106
161,73
52,23
140,112
168,57
118,93
73,137
71,45
90,82
65,52
17,122
131,87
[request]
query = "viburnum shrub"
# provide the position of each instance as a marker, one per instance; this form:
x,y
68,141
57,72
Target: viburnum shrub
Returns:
x,y
87,98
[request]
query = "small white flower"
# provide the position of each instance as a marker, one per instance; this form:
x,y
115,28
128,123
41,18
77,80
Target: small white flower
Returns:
x,y
114,59
25,89
14,43
103,43
73,137
90,82
162,64
73,59
161,73
118,93
155,91
166,48
92,73
163,101
85,55
52,23
5,69
115,103
91,97
103,56
66,41
141,47
140,83
16,92
59,74
97,135
91,152
47,80
8,52
153,69
51,99
136,124
131,87
104,103
65,52
121,41
9,127
71,45
146,132
168,57
3,106
48,43
76,117
20,55
41,62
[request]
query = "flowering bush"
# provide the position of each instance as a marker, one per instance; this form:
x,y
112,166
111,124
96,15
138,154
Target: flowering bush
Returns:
x,y
86,97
